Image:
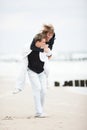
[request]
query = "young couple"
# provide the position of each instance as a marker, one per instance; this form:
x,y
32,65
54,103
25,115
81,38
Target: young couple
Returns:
x,y
35,61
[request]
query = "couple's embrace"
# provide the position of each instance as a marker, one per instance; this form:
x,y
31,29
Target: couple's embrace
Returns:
x,y
36,63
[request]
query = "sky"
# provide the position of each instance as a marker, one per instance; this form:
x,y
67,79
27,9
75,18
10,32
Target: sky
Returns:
x,y
20,20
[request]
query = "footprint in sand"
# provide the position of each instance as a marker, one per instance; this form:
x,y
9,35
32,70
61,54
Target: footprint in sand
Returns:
x,y
11,118
8,118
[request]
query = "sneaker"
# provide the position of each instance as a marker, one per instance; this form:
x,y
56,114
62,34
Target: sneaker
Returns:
x,y
17,91
42,115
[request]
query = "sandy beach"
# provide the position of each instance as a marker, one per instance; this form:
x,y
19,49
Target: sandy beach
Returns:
x,y
66,107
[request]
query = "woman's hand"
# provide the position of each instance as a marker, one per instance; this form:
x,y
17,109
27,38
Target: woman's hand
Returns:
x,y
46,48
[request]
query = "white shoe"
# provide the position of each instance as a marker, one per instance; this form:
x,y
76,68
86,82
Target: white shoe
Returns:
x,y
17,91
42,115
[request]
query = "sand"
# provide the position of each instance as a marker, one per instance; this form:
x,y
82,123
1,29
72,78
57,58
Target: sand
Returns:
x,y
66,107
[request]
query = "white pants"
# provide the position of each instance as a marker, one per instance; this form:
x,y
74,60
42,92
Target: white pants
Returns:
x,y
39,87
21,79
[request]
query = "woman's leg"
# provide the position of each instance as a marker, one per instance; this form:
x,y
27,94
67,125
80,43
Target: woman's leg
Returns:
x,y
20,82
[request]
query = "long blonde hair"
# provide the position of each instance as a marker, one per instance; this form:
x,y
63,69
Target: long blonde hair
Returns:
x,y
48,28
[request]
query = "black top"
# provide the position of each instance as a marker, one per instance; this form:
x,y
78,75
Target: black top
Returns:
x,y
50,44
34,62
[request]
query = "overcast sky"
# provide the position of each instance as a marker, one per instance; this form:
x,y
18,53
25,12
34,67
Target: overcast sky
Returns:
x,y
20,20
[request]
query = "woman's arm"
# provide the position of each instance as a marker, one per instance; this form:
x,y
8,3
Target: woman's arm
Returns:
x,y
51,42
35,47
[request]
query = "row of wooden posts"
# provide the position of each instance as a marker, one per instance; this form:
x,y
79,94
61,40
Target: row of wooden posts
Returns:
x,y
76,83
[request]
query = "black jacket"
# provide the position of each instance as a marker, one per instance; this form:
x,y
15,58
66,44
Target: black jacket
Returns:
x,y
50,44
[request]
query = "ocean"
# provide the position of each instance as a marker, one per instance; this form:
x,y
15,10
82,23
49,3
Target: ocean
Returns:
x,y
59,71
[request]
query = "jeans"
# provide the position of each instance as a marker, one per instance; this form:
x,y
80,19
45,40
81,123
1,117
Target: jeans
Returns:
x,y
39,87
